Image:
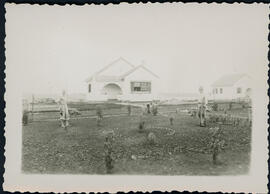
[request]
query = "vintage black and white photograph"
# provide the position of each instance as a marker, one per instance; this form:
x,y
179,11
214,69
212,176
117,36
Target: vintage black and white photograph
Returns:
x,y
138,90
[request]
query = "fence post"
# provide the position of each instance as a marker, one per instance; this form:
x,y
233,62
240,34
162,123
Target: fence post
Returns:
x,y
32,111
249,111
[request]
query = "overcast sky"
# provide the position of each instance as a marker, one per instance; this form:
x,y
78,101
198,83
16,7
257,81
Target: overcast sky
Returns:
x,y
187,45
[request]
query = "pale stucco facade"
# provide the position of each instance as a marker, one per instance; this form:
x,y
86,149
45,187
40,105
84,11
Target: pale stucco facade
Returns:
x,y
238,88
123,81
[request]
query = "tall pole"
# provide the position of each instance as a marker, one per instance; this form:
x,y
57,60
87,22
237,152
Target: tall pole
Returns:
x,y
249,102
32,111
249,109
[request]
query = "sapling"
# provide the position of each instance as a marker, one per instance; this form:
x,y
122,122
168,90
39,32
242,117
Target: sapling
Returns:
x,y
230,105
248,123
148,108
234,121
99,112
154,110
171,120
215,106
210,118
141,125
202,111
152,138
99,115
25,118
108,154
64,113
99,121
129,109
216,145
237,121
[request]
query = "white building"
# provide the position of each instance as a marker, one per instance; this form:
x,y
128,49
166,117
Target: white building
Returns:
x,y
231,87
122,81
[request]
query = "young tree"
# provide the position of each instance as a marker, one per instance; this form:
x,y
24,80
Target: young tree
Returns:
x,y
171,120
141,125
202,107
148,108
202,110
217,145
152,138
64,114
99,115
230,105
129,109
108,155
25,117
154,109
215,106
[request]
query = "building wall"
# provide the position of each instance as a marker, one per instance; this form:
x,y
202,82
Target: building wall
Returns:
x,y
227,94
140,75
96,93
230,92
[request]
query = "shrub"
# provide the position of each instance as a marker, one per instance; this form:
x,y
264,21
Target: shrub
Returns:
x,y
152,138
99,121
108,155
25,118
171,120
230,105
129,109
217,144
215,106
155,110
141,126
99,112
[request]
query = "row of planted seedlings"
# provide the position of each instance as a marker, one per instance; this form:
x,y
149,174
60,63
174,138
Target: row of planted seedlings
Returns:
x,y
109,138
227,119
215,146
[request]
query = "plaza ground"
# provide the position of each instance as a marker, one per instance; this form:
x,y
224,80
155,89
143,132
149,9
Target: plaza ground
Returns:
x,y
48,148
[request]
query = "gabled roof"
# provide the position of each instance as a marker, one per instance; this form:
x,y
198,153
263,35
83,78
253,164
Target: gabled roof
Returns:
x,y
117,78
228,80
108,66
134,69
108,78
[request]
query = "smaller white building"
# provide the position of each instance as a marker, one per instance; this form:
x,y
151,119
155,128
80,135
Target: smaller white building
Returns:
x,y
232,87
121,80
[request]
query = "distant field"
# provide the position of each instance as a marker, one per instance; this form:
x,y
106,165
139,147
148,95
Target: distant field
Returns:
x,y
81,106
47,148
237,112
90,106
51,111
87,110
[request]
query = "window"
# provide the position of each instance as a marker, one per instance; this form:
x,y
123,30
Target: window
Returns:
x,y
216,90
220,90
89,88
239,90
143,87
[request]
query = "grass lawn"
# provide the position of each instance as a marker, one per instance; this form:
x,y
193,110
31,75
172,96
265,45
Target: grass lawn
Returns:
x,y
47,148
82,106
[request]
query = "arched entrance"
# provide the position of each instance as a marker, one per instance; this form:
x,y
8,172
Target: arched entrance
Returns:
x,y
111,90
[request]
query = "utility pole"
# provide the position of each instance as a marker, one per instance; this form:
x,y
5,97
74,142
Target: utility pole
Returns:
x,y
32,111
